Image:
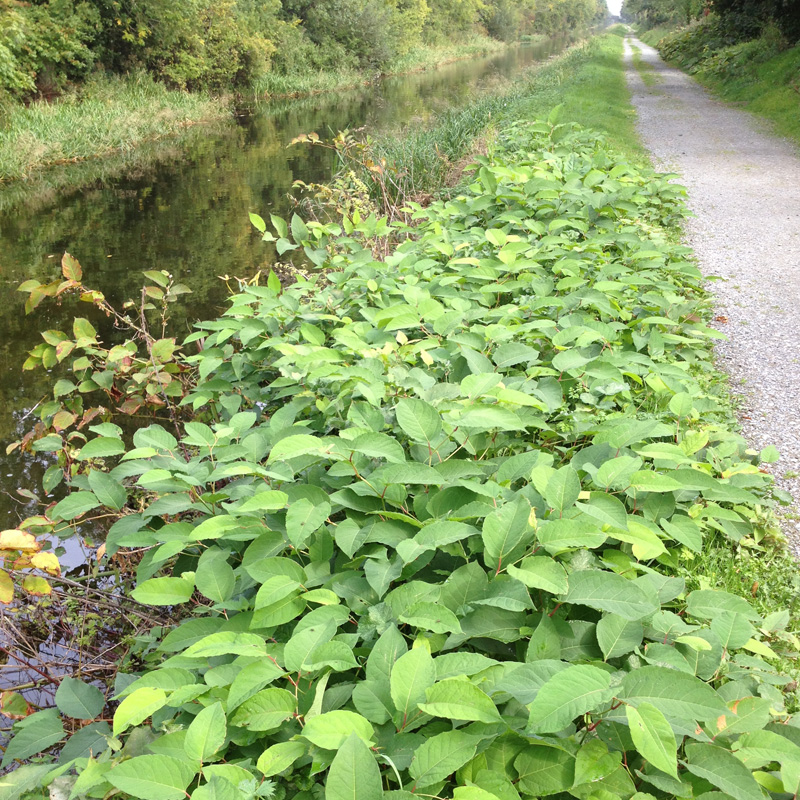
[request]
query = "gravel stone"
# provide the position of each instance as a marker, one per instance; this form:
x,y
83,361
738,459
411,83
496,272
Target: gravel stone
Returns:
x,y
744,190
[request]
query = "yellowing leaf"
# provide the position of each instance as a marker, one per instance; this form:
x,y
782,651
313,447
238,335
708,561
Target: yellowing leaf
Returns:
x,y
47,562
17,540
6,587
35,585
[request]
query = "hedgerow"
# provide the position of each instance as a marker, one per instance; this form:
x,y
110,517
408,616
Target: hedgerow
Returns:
x,y
422,530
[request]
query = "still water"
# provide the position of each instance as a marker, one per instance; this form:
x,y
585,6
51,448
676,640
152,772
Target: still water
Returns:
x,y
182,206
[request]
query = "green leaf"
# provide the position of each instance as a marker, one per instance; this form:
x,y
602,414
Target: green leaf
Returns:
x,y
163,591
279,757
109,492
568,694
101,447
709,603
724,770
137,707
418,420
265,711
544,770
18,783
332,729
73,505
303,518
432,617
541,572
251,679
298,649
607,591
562,490
270,500
507,533
32,735
378,445
214,575
79,700
618,636
354,773
653,737
299,444
206,734
459,700
440,756
412,674
152,777
675,694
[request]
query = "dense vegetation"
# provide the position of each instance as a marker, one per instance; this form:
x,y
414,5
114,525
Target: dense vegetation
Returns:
x,y
429,517
739,20
200,44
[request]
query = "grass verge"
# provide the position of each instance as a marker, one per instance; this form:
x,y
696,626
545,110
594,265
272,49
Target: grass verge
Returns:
x,y
108,115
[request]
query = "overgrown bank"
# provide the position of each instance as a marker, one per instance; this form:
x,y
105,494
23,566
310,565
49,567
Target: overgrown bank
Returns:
x,y
430,524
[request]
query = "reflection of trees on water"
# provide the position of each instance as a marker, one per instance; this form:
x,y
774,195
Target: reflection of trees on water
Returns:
x,y
184,211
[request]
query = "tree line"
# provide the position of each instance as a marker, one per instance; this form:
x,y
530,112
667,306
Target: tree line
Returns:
x,y
221,44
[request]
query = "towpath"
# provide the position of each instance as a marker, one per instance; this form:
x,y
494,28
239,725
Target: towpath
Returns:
x,y
744,189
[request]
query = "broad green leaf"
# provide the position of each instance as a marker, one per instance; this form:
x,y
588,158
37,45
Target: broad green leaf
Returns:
x,y
152,777
303,518
32,735
137,707
101,447
459,700
18,783
298,649
618,636
441,755
252,679
708,603
332,729
431,617
507,533
163,591
299,444
411,675
378,445
568,694
270,500
724,770
73,505
607,591
562,490
354,773
214,575
79,700
541,572
206,734
675,694
265,710
109,492
653,737
418,420
650,481
280,757
544,770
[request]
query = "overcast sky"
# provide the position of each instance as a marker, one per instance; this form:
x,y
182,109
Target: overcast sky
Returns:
x,y
614,6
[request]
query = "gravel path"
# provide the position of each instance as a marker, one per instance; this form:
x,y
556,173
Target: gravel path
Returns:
x,y
744,188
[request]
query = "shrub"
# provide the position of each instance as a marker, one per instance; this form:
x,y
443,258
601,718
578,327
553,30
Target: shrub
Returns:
x,y
425,522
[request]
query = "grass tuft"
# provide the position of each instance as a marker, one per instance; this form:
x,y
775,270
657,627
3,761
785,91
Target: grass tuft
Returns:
x,y
107,115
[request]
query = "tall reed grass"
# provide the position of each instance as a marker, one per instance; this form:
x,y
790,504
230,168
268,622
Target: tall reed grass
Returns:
x,y
107,115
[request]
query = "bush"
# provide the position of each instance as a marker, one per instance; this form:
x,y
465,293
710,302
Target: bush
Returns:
x,y
426,519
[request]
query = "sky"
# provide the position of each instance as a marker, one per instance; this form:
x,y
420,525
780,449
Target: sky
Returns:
x,y
614,6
